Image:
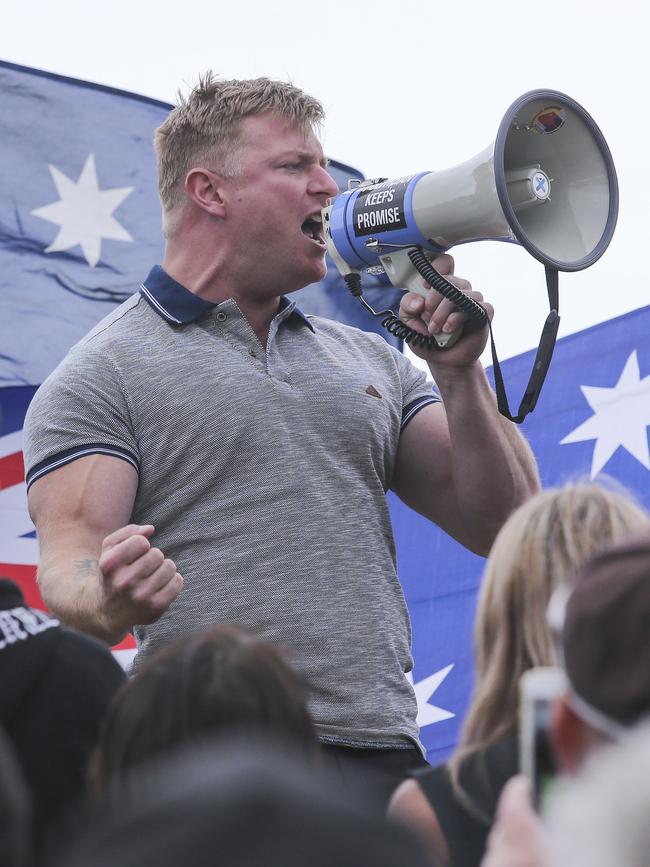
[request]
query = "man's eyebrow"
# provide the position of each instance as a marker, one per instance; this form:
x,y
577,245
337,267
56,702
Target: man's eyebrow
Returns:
x,y
304,156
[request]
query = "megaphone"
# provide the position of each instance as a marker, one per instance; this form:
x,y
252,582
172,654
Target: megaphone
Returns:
x,y
547,182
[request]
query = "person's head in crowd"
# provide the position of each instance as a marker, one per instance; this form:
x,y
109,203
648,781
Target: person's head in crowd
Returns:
x,y
216,682
600,817
15,810
538,549
228,804
55,685
603,624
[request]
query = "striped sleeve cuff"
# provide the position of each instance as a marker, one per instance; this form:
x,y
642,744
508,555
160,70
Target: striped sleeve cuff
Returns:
x,y
415,406
54,462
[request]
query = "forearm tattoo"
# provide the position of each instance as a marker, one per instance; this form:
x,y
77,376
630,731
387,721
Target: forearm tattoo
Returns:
x,y
86,569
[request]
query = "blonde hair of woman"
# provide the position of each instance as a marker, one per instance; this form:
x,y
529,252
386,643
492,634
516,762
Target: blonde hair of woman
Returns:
x,y
537,549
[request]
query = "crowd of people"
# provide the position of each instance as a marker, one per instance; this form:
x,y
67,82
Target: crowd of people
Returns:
x,y
208,469
209,748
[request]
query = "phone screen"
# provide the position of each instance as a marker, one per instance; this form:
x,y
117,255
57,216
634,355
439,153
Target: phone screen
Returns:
x,y
544,766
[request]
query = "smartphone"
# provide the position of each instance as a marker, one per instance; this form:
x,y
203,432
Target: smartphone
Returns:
x,y
538,689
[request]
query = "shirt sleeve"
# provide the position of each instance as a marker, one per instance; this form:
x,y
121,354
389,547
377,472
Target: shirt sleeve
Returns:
x,y
417,390
80,409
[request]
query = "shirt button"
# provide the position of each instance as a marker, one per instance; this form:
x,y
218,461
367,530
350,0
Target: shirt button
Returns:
x,y
221,316
252,353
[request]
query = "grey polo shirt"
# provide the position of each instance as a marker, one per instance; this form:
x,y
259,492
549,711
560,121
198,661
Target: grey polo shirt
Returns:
x,y
264,471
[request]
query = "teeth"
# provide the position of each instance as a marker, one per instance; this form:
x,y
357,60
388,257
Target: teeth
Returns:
x,y
313,227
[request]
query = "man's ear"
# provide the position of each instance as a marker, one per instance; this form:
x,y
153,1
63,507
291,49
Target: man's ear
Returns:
x,y
572,738
205,189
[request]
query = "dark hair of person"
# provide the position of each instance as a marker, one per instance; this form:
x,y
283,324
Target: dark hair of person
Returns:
x,y
15,809
236,804
223,681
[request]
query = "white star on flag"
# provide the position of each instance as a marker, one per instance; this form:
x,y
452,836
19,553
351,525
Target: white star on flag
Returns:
x,y
84,213
621,416
424,689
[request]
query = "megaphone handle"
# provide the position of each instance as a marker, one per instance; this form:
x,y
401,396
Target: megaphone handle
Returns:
x,y
477,315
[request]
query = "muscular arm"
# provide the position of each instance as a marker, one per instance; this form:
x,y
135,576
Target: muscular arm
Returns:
x,y
462,464
97,572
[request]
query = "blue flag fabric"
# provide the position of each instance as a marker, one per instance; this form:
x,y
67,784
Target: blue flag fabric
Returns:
x,y
80,221
79,214
591,419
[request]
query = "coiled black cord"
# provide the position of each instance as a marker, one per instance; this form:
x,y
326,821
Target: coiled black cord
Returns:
x,y
394,325
477,314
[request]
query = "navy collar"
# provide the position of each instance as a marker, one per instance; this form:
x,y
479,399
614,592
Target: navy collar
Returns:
x,y
178,305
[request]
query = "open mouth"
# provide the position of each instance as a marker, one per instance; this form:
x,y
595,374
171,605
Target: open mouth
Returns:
x,y
313,228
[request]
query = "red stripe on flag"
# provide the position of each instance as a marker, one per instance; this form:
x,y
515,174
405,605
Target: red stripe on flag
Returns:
x,y
127,644
12,470
25,578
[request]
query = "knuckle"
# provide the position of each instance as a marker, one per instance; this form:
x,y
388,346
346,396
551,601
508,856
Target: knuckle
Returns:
x,y
141,543
446,260
173,588
156,557
122,585
107,563
139,595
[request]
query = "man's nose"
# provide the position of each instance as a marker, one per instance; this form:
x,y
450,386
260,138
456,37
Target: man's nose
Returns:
x,y
324,183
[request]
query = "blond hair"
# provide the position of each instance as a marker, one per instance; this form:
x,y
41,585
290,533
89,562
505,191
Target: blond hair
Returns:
x,y
537,549
205,127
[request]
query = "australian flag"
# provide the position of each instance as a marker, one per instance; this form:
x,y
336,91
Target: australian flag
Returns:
x,y
80,227
591,419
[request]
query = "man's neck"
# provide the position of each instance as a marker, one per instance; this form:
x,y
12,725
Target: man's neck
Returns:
x,y
213,283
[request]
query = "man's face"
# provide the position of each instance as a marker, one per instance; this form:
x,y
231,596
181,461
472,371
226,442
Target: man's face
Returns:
x,y
274,206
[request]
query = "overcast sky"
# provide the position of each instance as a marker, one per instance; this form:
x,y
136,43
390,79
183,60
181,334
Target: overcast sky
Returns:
x,y
408,86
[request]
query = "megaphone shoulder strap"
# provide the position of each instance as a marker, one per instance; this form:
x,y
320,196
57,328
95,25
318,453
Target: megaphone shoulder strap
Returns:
x,y
542,358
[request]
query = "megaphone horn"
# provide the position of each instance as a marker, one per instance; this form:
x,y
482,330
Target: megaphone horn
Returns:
x,y
547,182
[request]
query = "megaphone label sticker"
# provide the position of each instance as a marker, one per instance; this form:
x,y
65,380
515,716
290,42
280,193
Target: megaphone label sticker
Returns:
x,y
380,208
548,120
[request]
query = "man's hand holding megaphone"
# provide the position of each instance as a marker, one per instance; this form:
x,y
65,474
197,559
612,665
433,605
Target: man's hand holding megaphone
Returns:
x,y
436,313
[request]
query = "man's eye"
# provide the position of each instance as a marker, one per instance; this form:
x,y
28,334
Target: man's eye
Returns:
x,y
292,166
